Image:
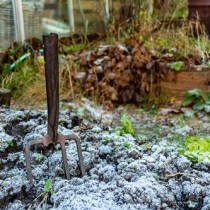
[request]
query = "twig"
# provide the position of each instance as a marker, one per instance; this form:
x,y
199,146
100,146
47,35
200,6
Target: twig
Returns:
x,y
35,200
168,176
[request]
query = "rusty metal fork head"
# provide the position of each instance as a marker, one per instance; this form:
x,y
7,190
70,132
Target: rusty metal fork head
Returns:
x,y
52,89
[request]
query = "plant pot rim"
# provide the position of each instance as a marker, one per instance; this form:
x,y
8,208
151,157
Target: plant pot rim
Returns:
x,y
198,2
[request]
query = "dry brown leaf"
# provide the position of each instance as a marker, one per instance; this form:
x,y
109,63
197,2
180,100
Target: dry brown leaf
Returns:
x,y
150,65
138,64
107,58
127,95
128,59
143,49
99,69
166,111
124,79
108,65
120,66
138,98
81,76
114,62
111,75
122,48
112,93
83,59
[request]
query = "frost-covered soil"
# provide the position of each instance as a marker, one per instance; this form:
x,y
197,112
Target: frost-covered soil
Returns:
x,y
122,172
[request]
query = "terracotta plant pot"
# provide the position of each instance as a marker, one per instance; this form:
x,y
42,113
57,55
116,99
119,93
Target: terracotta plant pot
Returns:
x,y
175,84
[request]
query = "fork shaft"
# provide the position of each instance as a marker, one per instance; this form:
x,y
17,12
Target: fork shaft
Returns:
x,y
52,83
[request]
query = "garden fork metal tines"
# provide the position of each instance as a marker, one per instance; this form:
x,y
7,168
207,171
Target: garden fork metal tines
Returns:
x,y
52,88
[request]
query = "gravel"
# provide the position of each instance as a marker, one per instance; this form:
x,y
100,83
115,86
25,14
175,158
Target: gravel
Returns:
x,y
125,172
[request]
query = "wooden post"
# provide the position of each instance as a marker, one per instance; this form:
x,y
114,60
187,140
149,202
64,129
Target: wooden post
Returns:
x,y
5,97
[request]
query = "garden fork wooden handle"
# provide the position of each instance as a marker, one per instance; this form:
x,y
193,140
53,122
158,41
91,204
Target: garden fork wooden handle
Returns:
x,y
52,83
52,87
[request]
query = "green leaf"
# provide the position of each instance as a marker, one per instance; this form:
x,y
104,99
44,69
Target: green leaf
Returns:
x,y
48,186
181,151
207,108
126,126
177,66
196,149
196,93
208,94
198,106
187,102
208,101
127,145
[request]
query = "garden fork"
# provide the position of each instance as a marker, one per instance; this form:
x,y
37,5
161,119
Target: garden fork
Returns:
x,y
52,88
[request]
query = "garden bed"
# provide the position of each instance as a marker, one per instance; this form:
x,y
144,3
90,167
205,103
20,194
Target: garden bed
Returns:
x,y
144,171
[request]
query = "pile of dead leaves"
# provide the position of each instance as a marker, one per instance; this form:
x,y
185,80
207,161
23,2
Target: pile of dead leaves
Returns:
x,y
120,74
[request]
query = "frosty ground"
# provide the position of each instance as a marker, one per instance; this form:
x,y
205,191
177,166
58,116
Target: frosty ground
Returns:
x,y
123,172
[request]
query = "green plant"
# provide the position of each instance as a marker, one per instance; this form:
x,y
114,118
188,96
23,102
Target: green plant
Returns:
x,y
74,47
48,190
126,126
198,100
177,66
39,157
19,80
146,146
196,149
164,43
10,143
106,139
127,145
